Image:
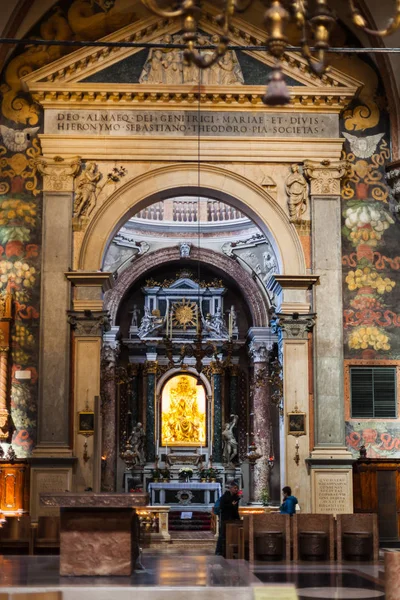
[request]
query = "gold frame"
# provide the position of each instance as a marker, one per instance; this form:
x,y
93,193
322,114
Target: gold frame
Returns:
x,y
83,431
294,431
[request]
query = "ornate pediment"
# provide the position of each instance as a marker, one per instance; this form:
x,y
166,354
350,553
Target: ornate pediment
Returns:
x,y
138,76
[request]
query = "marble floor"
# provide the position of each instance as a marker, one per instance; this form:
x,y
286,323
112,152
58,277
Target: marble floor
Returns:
x,y
203,577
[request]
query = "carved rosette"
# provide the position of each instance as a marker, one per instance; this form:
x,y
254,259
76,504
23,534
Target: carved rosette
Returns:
x,y
58,173
293,326
325,177
89,323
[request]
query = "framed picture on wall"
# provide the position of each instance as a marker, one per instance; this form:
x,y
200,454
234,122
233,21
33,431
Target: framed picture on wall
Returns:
x,y
296,423
86,422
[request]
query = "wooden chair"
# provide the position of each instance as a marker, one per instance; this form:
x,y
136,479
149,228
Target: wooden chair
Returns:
x,y
314,537
15,536
269,526
232,539
46,535
357,537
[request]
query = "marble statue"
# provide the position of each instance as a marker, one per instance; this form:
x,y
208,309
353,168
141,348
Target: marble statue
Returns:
x,y
297,190
217,323
137,440
230,445
135,316
233,317
270,265
147,322
184,248
85,197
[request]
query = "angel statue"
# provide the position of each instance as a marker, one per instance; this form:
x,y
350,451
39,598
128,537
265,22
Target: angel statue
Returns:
x,y
230,445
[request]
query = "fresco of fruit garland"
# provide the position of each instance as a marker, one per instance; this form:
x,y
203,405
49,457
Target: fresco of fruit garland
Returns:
x,y
21,197
371,286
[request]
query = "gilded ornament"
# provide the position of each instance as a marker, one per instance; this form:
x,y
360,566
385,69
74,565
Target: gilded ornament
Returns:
x,y
183,413
184,314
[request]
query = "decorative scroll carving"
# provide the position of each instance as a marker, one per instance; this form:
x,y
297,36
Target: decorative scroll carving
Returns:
x,y
88,323
297,190
94,500
293,326
325,177
58,173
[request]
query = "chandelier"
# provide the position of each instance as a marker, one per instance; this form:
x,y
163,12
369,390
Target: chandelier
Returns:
x,y
314,25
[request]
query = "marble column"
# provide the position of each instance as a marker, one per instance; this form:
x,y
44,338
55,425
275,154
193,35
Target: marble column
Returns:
x,y
109,355
330,461
87,328
262,426
151,374
5,320
325,201
217,371
134,394
234,390
53,435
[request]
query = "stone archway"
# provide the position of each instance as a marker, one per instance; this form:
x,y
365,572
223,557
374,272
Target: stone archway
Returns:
x,y
257,302
180,179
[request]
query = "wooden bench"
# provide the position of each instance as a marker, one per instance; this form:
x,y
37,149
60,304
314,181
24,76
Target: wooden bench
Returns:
x,y
313,537
269,532
357,537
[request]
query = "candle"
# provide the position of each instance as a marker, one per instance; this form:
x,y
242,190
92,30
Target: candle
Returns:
x,y
157,448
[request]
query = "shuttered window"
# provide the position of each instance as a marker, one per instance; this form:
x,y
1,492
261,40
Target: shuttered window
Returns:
x,y
373,392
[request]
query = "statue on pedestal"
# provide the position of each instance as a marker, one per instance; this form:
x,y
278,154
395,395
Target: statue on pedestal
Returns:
x,y
230,445
137,441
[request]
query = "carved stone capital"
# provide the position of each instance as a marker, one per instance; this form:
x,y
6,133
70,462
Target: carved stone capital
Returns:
x,y
109,354
293,326
325,177
58,173
150,367
216,368
393,180
88,323
259,351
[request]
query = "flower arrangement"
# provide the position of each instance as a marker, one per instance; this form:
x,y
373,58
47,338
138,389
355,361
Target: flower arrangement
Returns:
x,y
185,473
264,496
156,473
166,473
212,473
203,474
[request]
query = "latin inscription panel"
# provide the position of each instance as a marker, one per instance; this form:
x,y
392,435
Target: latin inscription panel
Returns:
x,y
178,123
332,491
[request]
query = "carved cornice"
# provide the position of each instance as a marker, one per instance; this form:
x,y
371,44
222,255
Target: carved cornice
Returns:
x,y
325,177
58,173
88,323
293,326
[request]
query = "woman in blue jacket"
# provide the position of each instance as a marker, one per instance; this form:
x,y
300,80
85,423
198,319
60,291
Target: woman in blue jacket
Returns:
x,y
288,506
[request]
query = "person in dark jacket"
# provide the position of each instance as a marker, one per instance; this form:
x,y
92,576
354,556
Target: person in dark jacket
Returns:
x,y
229,511
288,506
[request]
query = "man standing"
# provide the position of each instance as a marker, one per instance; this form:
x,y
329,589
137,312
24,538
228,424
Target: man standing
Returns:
x,y
288,506
228,511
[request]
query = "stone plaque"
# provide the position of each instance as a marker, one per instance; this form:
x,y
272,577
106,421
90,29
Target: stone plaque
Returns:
x,y
177,123
45,481
332,491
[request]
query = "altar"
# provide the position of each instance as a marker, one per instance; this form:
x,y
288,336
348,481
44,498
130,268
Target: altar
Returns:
x,y
180,494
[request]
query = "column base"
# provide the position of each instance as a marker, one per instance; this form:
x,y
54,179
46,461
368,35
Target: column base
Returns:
x,y
331,480
50,472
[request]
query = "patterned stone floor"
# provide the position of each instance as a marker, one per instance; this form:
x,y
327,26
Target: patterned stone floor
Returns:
x,y
189,577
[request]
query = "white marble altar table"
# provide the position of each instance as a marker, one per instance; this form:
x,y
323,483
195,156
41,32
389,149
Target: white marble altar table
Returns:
x,y
209,489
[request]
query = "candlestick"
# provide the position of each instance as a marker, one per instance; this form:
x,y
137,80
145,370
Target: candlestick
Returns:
x,y
230,325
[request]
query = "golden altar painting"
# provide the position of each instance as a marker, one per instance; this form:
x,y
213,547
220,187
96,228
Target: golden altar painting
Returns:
x,y
183,412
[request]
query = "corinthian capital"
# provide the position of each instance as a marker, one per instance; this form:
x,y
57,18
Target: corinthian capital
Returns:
x,y
325,177
58,173
293,326
259,351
